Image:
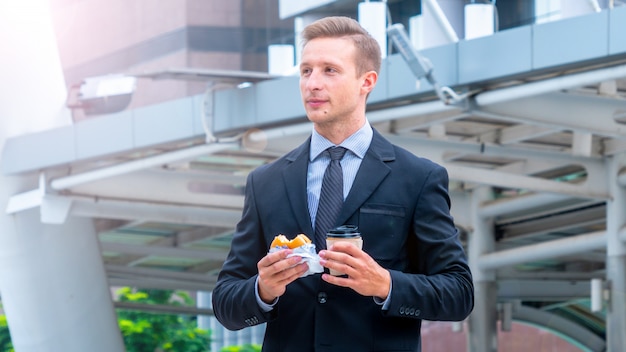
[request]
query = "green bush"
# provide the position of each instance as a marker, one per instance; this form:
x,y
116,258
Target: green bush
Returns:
x,y
5,336
148,332
244,348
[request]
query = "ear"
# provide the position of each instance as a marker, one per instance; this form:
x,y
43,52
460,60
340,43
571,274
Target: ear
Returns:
x,y
369,81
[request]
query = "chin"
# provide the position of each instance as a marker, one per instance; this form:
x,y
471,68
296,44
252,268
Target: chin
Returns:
x,y
318,116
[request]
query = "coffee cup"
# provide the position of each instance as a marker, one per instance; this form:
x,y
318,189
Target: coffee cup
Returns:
x,y
344,233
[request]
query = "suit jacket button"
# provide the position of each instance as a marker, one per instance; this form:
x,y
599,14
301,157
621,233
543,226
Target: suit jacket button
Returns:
x,y
417,312
412,311
321,297
401,310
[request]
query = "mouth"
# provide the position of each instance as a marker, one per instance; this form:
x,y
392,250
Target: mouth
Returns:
x,y
314,103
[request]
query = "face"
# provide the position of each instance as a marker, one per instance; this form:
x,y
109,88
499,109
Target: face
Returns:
x,y
332,93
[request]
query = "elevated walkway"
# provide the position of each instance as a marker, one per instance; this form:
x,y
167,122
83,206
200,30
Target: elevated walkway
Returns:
x,y
543,129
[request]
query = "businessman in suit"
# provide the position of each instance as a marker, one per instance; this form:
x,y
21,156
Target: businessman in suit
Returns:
x,y
412,265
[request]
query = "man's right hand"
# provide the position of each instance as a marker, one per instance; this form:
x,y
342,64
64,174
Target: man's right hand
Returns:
x,y
276,271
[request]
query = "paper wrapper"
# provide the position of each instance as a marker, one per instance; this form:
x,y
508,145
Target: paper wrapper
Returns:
x,y
309,256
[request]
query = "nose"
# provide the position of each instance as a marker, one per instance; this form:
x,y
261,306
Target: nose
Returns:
x,y
313,81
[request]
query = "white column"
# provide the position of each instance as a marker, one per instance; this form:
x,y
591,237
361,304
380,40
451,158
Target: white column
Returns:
x,y
483,334
479,20
299,23
203,300
616,257
572,8
53,285
280,59
373,17
442,21
52,280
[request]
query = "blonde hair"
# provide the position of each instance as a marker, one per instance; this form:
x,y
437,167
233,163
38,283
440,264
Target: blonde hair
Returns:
x,y
368,50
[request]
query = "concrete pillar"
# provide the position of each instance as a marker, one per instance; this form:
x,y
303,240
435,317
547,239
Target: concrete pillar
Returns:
x,y
52,280
53,285
441,21
483,333
616,257
573,8
203,300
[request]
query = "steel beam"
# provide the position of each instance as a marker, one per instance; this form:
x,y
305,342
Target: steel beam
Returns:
x,y
616,256
139,164
545,250
483,320
561,326
556,84
176,252
145,211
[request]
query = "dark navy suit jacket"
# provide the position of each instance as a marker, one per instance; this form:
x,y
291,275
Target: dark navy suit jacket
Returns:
x,y
401,205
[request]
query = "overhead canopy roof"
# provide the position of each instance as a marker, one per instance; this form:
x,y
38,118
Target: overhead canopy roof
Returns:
x,y
546,106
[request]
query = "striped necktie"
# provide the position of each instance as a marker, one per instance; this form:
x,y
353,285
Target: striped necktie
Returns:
x,y
331,196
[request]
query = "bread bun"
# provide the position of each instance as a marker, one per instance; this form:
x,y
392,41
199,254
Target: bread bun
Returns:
x,y
284,242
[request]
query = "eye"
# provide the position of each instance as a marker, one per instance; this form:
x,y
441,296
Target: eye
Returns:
x,y
305,71
331,70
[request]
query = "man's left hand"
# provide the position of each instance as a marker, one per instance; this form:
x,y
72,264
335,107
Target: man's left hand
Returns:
x,y
364,275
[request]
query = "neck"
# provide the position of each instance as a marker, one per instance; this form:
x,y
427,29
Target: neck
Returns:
x,y
337,133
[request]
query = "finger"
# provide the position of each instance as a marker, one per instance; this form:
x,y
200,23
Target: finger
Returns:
x,y
274,257
284,271
297,271
343,271
340,261
267,270
290,273
338,280
333,255
341,251
273,284
347,247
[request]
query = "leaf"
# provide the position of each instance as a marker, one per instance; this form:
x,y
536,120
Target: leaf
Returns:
x,y
144,331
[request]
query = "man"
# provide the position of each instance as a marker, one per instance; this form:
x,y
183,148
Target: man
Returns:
x,y
412,265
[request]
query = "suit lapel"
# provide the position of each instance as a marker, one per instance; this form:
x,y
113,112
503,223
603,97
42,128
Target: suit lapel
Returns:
x,y
372,172
295,178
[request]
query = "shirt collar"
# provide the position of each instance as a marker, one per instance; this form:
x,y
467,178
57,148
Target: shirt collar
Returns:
x,y
357,143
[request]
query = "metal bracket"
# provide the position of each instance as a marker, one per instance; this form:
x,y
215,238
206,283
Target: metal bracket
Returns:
x,y
54,209
27,200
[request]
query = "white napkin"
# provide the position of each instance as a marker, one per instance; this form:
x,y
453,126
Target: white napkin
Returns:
x,y
309,256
